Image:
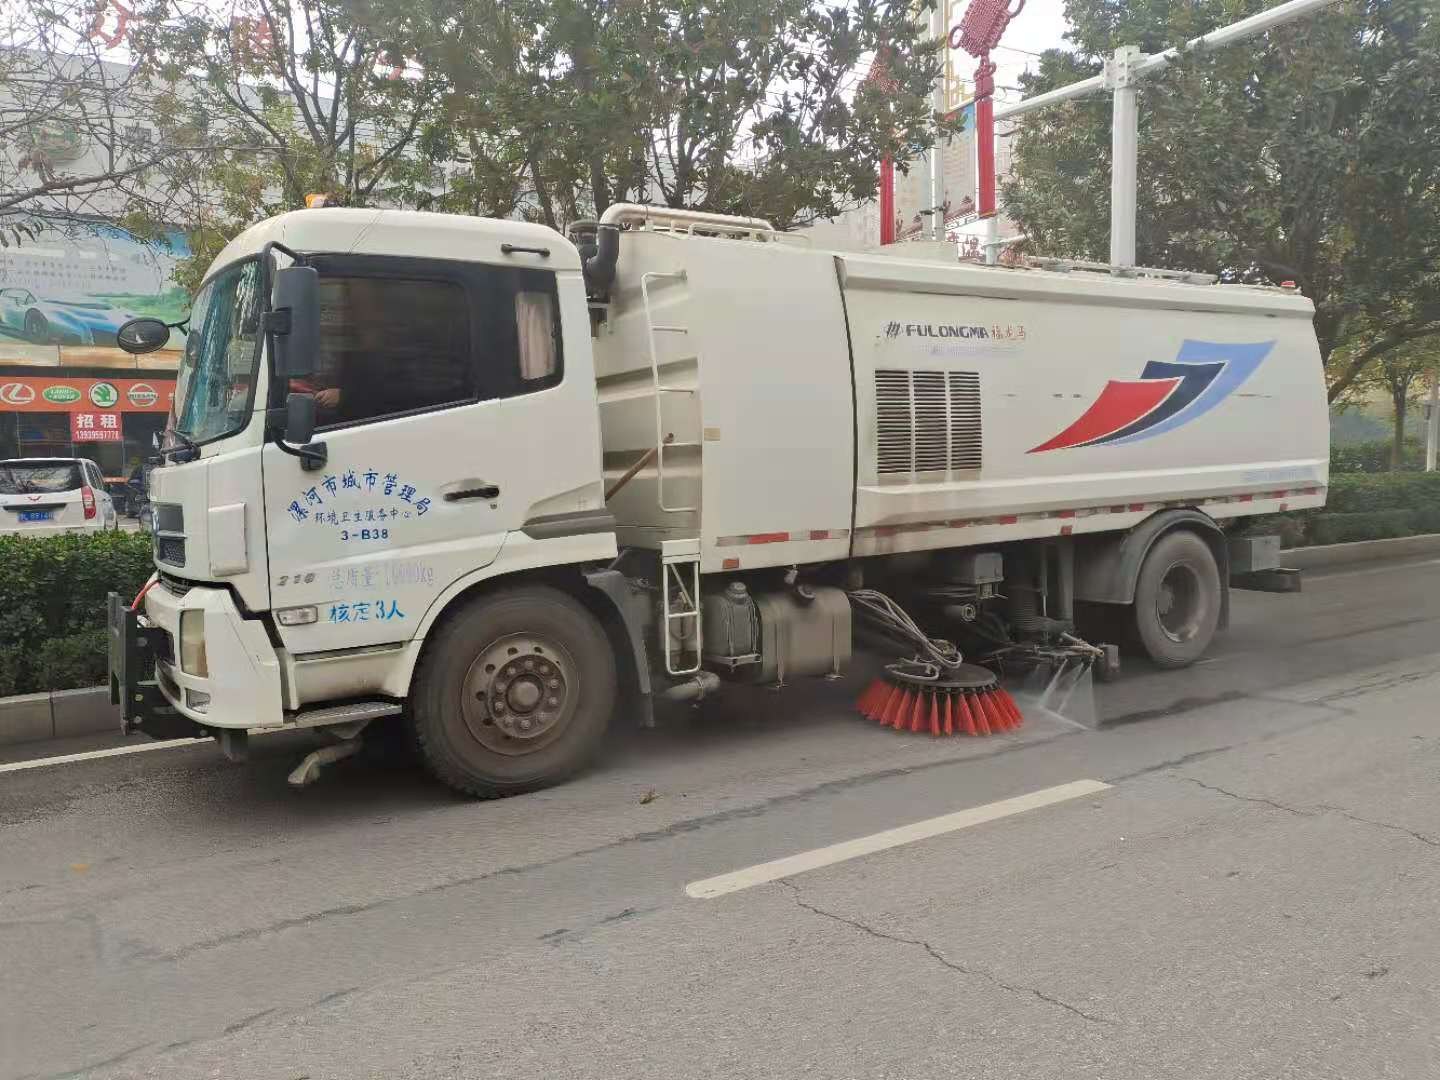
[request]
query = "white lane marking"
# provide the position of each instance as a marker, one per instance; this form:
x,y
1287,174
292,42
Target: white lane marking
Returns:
x,y
1388,569
761,873
91,755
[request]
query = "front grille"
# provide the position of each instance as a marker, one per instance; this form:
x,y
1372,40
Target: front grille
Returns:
x,y
170,550
176,587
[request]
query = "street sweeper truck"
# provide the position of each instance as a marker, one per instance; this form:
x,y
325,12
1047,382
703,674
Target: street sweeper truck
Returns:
x,y
504,488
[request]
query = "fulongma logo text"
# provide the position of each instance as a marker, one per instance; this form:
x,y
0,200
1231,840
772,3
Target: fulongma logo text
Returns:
x,y
930,330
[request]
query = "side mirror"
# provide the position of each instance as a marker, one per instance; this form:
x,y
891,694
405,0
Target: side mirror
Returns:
x,y
299,418
138,336
294,323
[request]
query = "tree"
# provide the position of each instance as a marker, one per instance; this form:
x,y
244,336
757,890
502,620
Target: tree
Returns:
x,y
739,106
1401,374
295,97
80,143
1312,154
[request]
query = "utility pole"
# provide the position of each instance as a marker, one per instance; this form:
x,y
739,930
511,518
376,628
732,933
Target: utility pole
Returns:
x,y
1122,71
937,157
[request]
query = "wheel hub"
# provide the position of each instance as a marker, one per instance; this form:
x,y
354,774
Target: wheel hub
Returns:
x,y
1179,604
519,693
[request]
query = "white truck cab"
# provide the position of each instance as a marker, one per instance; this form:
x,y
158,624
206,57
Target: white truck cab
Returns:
x,y
401,442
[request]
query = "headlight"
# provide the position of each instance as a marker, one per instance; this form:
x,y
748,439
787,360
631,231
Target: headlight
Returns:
x,y
192,644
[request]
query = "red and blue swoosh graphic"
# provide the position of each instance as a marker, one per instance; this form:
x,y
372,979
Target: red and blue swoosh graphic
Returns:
x,y
1167,395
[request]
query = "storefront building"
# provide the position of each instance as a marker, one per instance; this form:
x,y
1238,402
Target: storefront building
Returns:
x,y
105,415
66,390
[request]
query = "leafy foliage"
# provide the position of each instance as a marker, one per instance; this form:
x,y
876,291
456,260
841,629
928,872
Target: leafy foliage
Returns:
x,y
1376,457
1311,154
1360,507
52,605
754,107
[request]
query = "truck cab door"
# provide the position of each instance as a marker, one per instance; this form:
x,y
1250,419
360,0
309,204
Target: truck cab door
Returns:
x,y
431,377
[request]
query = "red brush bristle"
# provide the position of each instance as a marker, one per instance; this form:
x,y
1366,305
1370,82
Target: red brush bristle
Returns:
x,y
934,716
949,715
1008,704
891,709
999,718
872,702
917,714
977,709
965,722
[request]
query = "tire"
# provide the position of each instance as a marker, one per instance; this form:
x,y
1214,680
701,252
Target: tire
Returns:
x,y
37,328
561,689
1177,600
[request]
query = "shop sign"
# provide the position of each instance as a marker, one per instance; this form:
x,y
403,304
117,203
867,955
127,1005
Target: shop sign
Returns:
x,y
39,394
95,427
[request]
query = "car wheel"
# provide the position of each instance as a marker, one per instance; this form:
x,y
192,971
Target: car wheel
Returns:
x,y
1177,600
37,328
514,693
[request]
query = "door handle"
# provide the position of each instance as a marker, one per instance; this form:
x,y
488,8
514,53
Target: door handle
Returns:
x,y
484,491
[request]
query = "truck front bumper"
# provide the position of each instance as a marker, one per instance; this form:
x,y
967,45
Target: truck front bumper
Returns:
x,y
239,687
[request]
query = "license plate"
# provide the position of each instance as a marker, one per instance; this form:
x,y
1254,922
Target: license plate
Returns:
x,y
34,515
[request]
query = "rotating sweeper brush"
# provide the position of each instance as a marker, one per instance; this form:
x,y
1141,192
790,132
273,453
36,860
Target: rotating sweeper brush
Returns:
x,y
963,700
937,691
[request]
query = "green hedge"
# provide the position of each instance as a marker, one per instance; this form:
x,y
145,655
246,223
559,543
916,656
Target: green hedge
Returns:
x,y
1374,457
52,605
1361,506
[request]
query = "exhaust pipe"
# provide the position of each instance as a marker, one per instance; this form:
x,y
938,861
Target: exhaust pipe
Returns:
x,y
600,267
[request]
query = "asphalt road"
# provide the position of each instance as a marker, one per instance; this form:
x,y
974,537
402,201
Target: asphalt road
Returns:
x,y
1253,895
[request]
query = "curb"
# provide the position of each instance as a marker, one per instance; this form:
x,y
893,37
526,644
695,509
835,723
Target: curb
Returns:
x,y
57,714
1327,555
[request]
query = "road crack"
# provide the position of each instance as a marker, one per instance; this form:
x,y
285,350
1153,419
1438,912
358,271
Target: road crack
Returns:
x,y
1343,812
940,958
1249,798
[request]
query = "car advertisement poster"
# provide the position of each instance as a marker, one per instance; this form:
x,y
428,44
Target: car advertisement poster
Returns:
x,y
73,285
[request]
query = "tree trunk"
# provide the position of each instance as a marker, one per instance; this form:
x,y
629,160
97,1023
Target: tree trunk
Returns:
x,y
1397,448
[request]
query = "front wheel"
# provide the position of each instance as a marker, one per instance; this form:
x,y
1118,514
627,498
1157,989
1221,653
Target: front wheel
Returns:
x,y
514,693
1177,600
37,328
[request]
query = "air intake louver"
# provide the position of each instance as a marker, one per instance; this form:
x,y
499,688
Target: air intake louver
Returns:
x,y
927,421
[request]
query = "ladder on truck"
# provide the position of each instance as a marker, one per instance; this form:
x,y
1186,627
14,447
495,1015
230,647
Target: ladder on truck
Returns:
x,y
679,559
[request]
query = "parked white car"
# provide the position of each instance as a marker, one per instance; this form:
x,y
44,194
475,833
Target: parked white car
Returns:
x,y
41,496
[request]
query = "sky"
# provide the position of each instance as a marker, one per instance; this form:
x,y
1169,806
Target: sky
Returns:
x,y
1040,25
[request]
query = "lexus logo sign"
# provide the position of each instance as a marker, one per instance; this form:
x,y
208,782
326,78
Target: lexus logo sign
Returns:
x,y
16,394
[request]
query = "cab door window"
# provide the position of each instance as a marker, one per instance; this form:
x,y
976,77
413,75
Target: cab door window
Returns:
x,y
404,336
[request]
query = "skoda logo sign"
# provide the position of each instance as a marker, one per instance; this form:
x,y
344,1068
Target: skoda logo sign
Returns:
x,y
60,395
103,395
142,395
15,393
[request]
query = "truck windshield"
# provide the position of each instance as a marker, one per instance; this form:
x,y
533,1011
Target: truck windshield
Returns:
x,y
215,386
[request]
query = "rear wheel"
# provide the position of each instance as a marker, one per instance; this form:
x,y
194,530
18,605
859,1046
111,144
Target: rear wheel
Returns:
x,y
1177,600
514,693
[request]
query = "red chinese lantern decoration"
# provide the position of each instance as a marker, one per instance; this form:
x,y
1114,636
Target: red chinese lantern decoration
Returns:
x,y
978,32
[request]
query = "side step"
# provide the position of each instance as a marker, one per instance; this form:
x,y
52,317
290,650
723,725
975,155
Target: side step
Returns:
x,y
361,713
